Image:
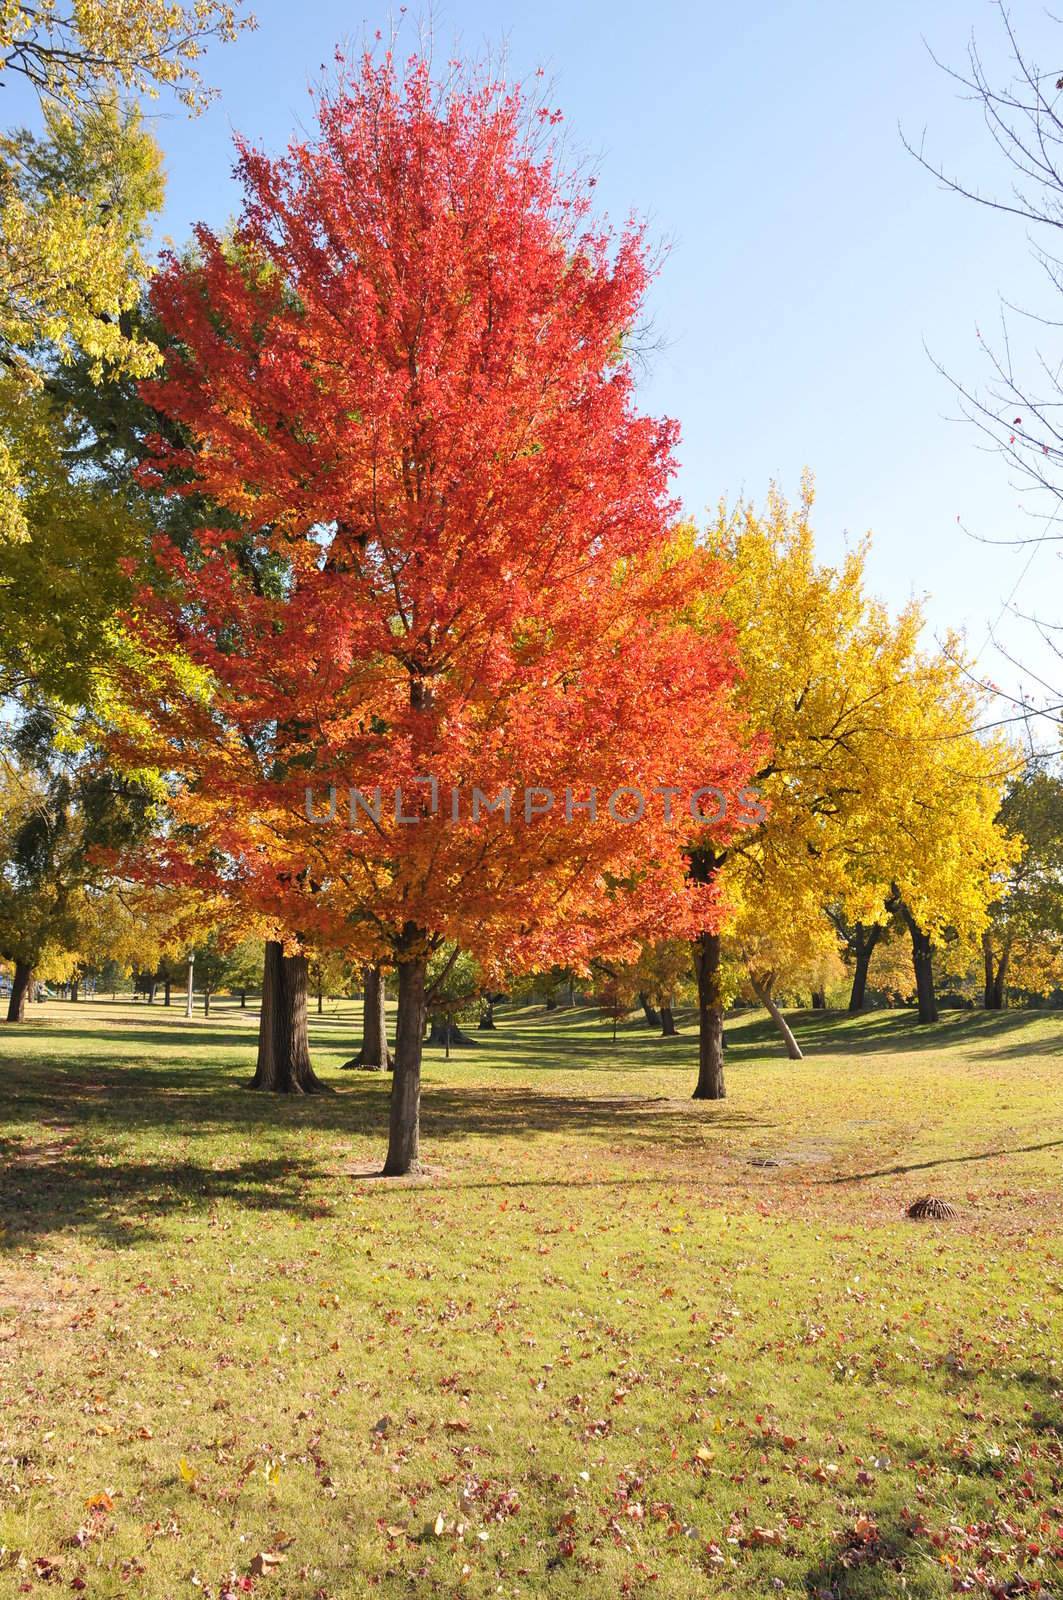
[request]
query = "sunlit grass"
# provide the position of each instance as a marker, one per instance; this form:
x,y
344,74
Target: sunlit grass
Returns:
x,y
616,1341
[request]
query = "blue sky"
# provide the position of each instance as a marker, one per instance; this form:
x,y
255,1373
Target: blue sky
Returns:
x,y
809,258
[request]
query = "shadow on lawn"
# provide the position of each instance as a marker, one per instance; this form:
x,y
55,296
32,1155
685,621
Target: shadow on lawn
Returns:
x,y
76,1171
44,1190
945,1161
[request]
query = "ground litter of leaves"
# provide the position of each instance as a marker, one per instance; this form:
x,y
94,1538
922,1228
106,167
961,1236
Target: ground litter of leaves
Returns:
x,y
613,1343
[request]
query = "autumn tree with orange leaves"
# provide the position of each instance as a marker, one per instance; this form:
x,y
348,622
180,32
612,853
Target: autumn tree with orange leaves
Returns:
x,y
446,553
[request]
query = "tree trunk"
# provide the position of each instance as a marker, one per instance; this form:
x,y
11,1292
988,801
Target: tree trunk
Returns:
x,y
206,1002
551,1002
74,987
283,1047
445,1031
710,1084
487,1018
762,990
923,963
995,973
668,1027
166,986
819,1000
20,987
862,945
320,1000
373,1055
652,1015
243,999
1000,993
405,1122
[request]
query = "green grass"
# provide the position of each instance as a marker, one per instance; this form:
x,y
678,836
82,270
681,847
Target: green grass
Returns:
x,y
615,1343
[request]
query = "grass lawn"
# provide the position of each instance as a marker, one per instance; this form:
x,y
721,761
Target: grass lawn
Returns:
x,y
616,1343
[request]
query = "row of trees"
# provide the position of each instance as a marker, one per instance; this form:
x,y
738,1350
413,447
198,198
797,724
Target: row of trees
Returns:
x,y
386,517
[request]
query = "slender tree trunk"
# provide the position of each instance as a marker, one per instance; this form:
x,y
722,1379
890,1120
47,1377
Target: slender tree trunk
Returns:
x,y
652,1015
819,1000
206,1002
74,987
405,1122
710,1084
374,1055
283,1047
20,987
320,1000
668,1027
762,990
995,973
166,987
1000,993
862,944
243,999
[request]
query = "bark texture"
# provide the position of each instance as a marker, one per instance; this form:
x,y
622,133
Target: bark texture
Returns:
x,y
923,964
404,1131
21,983
374,1055
710,1084
283,1045
762,988
862,944
649,1011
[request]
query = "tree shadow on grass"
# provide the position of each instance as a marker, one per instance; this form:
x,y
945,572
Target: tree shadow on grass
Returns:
x,y
67,1161
47,1190
944,1161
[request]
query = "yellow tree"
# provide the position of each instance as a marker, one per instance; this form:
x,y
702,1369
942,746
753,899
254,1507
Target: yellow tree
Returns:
x,y
852,712
75,198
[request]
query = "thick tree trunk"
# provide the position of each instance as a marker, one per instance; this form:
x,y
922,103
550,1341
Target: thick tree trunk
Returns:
x,y
283,1047
405,1122
487,1018
862,945
668,1027
445,1031
652,1015
21,983
166,987
74,987
762,990
819,1000
923,963
374,1055
710,1084
551,1002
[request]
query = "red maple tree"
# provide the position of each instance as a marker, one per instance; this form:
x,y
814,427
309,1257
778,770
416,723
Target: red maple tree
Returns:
x,y
448,551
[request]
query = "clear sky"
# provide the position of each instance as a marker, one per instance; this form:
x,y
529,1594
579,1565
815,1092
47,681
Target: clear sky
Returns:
x,y
810,260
